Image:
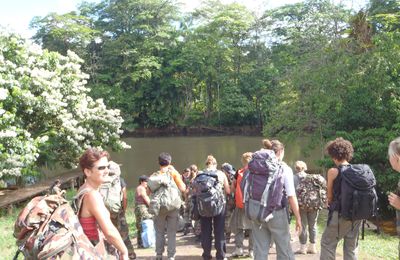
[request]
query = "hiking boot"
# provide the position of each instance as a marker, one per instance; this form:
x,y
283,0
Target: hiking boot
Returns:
x,y
251,253
312,249
302,250
238,252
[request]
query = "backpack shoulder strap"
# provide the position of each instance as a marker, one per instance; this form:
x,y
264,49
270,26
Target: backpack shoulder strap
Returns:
x,y
78,200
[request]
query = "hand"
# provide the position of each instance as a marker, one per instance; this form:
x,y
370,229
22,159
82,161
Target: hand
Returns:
x,y
298,227
123,256
394,200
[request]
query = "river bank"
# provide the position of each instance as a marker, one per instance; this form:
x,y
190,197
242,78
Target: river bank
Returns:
x,y
194,131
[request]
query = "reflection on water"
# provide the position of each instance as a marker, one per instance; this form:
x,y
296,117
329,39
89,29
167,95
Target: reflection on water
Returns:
x,y
142,158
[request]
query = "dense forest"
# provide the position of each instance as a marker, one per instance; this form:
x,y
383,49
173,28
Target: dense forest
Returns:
x,y
312,68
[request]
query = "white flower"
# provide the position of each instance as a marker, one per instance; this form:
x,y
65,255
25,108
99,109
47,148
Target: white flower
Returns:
x,y
3,93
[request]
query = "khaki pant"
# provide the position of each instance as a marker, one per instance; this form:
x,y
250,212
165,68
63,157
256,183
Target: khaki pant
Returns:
x,y
166,220
336,230
119,221
276,229
308,219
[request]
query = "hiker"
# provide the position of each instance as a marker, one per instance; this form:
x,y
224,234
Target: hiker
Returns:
x,y
216,222
311,196
338,226
55,188
93,214
239,222
193,171
279,182
115,198
185,210
142,202
196,226
166,183
230,200
394,199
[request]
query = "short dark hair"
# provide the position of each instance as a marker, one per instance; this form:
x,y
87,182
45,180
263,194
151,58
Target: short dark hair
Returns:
x,y
90,156
340,149
164,159
143,178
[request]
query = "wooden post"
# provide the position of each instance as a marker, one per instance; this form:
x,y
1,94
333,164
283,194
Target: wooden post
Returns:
x,y
72,183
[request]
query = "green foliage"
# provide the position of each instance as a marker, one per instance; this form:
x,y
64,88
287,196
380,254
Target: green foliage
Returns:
x,y
47,116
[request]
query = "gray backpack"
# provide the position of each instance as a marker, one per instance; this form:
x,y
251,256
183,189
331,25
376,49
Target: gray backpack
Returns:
x,y
165,194
263,186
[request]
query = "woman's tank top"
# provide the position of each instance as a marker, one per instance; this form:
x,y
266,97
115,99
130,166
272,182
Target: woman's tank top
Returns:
x,y
139,200
89,226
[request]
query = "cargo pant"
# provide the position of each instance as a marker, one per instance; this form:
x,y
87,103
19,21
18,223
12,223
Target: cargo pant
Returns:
x,y
336,229
308,218
119,221
141,213
277,229
166,221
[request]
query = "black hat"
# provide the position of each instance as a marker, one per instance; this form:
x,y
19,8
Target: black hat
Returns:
x,y
164,159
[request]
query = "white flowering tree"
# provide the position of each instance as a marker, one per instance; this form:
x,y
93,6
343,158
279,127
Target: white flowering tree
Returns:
x,y
46,114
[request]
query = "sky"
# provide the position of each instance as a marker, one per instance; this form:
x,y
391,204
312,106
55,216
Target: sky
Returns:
x,y
17,14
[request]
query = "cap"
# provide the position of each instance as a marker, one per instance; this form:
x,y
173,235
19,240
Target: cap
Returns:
x,y
114,168
228,168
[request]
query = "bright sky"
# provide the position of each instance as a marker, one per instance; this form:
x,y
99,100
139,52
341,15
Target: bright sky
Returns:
x,y
17,14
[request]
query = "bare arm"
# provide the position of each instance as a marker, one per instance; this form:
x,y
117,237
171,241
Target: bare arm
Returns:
x,y
226,185
295,209
95,207
331,176
124,199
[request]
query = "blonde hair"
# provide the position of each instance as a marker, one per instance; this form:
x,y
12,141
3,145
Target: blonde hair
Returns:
x,y
246,158
394,148
274,145
211,160
300,166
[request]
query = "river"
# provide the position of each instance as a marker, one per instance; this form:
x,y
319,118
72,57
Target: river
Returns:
x,y
142,157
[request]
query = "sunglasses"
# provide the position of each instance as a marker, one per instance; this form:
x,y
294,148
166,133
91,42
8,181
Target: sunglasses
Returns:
x,y
102,168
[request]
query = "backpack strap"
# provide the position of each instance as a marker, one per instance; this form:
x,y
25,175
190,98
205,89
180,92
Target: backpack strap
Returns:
x,y
78,200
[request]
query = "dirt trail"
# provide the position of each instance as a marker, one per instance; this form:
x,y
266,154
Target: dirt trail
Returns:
x,y
188,249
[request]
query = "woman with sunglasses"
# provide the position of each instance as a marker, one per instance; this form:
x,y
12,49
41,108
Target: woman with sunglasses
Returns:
x,y
93,214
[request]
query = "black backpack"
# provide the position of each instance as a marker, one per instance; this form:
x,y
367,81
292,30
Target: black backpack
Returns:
x,y
358,199
208,194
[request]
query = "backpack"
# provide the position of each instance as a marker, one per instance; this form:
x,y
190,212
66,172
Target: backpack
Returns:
x,y
165,194
358,199
208,193
238,192
311,192
263,186
111,190
48,228
148,233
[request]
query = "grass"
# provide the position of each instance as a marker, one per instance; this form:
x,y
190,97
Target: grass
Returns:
x,y
374,246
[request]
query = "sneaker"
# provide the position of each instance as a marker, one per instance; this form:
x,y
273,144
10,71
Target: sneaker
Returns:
x,y
312,249
238,252
132,256
158,257
171,258
302,250
251,254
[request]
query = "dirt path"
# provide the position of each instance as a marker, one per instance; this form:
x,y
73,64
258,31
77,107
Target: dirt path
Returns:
x,y
188,249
